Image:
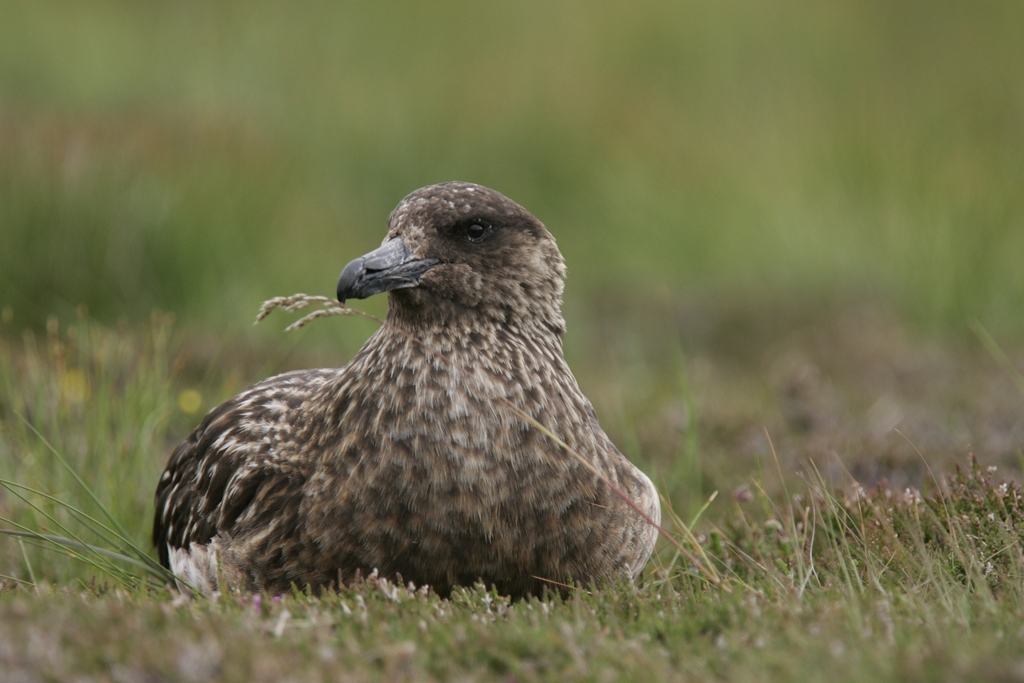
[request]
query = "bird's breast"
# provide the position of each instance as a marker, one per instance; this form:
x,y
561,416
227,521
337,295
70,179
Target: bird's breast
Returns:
x,y
450,455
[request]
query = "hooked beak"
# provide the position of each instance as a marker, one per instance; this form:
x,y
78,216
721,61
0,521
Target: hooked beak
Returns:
x,y
390,266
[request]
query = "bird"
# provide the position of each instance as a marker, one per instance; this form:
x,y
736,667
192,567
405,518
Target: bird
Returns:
x,y
427,459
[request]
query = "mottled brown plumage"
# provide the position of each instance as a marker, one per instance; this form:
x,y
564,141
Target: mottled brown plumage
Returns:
x,y
409,461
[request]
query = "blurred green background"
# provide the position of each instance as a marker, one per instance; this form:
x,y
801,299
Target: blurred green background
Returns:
x,y
200,157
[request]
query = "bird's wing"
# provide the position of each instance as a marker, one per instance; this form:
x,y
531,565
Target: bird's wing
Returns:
x,y
246,454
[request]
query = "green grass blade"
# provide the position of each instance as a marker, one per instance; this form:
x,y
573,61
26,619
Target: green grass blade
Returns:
x,y
122,533
81,517
70,548
91,523
18,581
998,354
63,543
28,563
57,523
64,463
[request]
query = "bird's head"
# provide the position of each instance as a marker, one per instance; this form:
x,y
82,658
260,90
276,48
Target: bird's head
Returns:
x,y
458,247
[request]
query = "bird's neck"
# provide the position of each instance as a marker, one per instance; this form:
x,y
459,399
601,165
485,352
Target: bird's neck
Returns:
x,y
479,355
468,341
420,313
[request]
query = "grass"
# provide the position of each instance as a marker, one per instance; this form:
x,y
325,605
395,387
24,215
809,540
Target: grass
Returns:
x,y
83,402
377,631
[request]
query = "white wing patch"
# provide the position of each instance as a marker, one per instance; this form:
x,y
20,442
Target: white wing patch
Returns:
x,y
197,568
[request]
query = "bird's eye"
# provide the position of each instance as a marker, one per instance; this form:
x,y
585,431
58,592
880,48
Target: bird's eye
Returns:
x,y
475,232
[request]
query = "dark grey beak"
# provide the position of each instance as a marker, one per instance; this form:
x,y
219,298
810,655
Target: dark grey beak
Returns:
x,y
391,266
